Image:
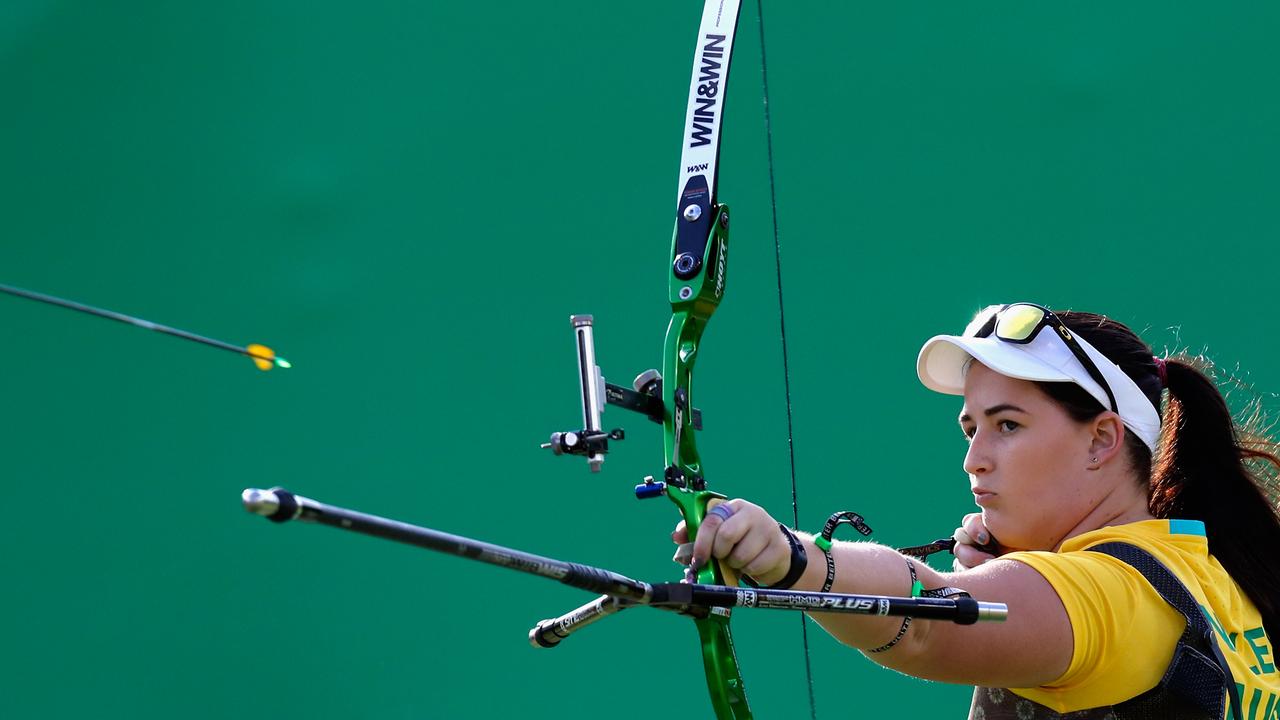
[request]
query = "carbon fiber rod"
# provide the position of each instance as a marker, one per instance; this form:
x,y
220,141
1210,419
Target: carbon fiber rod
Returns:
x,y
280,505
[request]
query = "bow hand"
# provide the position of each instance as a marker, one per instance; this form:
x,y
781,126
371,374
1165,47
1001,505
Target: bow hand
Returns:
x,y
747,542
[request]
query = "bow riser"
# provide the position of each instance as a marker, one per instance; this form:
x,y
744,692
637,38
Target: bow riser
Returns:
x,y
692,303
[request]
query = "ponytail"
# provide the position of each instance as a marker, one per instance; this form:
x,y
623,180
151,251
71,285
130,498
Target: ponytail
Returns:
x,y
1207,468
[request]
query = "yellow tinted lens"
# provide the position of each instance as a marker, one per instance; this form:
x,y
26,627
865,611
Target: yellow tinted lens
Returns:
x,y
1018,322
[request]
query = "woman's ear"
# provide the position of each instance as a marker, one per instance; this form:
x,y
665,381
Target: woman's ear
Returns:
x,y
1107,440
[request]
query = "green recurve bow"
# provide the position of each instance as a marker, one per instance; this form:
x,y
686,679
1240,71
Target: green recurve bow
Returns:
x,y
699,257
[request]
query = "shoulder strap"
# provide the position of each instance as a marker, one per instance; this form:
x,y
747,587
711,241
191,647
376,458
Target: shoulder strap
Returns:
x,y
1186,674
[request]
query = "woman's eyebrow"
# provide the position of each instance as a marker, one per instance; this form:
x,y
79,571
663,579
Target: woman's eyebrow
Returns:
x,y
993,410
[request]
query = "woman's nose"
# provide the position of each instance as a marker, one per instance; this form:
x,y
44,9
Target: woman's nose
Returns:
x,y
976,460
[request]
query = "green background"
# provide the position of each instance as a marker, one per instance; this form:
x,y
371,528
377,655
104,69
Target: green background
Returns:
x,y
408,200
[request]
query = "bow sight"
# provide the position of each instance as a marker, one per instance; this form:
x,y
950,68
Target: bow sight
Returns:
x,y
592,442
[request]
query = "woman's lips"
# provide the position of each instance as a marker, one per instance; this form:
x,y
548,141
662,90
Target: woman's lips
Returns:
x,y
981,496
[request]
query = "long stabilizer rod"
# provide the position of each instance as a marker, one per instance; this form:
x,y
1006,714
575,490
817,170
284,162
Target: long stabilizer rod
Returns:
x,y
280,505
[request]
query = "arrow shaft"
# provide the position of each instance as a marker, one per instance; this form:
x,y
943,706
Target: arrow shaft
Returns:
x,y
128,320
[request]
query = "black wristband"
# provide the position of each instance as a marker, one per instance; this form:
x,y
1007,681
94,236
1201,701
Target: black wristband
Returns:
x,y
799,562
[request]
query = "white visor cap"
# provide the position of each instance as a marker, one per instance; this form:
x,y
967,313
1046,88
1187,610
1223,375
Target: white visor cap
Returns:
x,y
944,360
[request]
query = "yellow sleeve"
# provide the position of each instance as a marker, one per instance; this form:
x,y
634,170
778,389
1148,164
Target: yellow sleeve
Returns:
x,y
1123,631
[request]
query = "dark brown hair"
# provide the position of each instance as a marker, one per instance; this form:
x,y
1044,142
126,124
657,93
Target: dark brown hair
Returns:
x,y
1207,467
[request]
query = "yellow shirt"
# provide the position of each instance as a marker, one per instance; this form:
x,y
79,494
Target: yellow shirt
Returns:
x,y
1125,632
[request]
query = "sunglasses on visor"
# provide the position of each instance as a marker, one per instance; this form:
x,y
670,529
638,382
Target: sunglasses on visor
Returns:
x,y
1020,323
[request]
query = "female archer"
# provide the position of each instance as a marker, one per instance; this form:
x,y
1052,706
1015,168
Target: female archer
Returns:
x,y
1135,547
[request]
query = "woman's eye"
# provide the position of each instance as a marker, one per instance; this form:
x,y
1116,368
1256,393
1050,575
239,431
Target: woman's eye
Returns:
x,y
968,432
1007,425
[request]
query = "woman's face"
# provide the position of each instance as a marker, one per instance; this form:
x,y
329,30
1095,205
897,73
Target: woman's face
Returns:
x,y
1027,461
